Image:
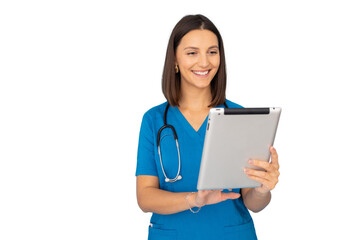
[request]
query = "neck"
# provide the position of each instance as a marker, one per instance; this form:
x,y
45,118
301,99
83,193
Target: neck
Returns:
x,y
195,98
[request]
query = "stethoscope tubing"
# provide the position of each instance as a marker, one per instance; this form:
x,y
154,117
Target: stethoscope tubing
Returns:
x,y
178,176
158,140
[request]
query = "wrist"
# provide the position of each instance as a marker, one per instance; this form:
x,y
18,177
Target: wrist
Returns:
x,y
192,200
260,193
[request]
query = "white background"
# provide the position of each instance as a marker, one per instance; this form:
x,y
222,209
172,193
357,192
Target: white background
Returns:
x,y
77,76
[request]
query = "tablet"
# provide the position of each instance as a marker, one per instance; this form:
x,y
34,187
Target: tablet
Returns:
x,y
233,136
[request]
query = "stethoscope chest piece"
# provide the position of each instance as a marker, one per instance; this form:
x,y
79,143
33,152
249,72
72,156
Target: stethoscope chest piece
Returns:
x,y
173,180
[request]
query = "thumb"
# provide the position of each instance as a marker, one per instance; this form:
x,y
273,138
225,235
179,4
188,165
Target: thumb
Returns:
x,y
231,195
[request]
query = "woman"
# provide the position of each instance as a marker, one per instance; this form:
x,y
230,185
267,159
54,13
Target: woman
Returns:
x,y
194,80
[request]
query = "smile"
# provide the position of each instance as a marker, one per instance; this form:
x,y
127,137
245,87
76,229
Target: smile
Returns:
x,y
201,73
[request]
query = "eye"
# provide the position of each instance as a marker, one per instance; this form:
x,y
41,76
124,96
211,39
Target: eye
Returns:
x,y
213,52
191,53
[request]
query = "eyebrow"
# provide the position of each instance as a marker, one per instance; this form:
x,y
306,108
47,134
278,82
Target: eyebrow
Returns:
x,y
215,46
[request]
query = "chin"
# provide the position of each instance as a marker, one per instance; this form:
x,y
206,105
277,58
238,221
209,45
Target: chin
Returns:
x,y
198,83
202,86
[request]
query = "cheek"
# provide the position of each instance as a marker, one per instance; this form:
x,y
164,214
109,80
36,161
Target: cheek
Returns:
x,y
216,66
186,64
216,62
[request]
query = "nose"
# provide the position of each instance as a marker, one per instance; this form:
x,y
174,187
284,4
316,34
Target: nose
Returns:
x,y
203,60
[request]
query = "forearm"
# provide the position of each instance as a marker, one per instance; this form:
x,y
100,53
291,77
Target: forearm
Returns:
x,y
256,201
164,202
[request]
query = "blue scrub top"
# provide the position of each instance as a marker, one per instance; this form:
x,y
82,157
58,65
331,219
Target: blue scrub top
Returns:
x,y
226,220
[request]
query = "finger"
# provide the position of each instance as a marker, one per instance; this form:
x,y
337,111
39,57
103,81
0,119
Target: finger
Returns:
x,y
257,173
264,183
269,182
232,195
262,164
274,157
272,175
229,189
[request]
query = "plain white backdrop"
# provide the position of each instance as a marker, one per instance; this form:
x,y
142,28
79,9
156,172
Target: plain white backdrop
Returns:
x,y
77,76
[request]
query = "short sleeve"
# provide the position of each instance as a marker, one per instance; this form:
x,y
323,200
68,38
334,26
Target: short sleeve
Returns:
x,y
232,104
146,155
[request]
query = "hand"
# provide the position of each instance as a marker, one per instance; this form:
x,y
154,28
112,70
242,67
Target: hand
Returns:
x,y
207,197
268,178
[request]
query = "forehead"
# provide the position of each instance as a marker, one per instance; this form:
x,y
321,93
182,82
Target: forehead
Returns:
x,y
199,38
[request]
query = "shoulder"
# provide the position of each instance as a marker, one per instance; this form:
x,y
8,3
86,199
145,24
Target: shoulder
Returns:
x,y
159,109
233,104
154,113
152,118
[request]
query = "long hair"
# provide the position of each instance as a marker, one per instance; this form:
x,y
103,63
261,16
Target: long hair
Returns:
x,y
171,79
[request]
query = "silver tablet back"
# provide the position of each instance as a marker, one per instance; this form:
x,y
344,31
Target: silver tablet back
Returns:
x,y
233,136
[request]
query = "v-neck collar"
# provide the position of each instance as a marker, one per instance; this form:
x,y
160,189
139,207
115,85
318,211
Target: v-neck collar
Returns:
x,y
201,131
188,126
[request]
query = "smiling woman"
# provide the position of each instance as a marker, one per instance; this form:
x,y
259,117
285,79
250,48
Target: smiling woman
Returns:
x,y
194,80
198,59
195,45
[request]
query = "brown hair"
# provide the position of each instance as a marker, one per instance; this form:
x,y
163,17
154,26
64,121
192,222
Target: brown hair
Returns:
x,y
171,79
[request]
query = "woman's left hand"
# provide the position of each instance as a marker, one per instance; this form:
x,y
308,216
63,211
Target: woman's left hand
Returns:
x,y
268,178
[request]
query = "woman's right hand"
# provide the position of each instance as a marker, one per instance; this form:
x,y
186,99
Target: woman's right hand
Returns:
x,y
208,197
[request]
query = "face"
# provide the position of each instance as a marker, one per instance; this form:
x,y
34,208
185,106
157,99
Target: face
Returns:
x,y
198,58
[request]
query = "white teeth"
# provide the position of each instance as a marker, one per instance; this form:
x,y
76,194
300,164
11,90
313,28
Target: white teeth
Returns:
x,y
202,73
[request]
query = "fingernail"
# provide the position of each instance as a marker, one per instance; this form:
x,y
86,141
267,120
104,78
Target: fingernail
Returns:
x,y
251,161
246,170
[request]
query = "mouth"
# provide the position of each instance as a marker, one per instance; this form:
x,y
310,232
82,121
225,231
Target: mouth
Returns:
x,y
202,74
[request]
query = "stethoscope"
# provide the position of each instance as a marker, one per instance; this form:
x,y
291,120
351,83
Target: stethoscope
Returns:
x,y
178,176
